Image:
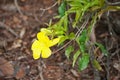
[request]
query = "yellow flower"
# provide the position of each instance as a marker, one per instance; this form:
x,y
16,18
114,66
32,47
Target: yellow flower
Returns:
x,y
41,47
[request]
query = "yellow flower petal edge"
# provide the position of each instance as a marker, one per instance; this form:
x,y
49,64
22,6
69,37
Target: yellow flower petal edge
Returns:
x,y
46,31
36,54
41,47
42,37
54,41
36,45
46,52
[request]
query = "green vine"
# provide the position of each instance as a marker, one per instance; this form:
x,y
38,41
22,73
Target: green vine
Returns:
x,y
77,19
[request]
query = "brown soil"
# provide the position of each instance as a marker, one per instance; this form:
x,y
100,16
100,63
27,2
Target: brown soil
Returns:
x,y
18,30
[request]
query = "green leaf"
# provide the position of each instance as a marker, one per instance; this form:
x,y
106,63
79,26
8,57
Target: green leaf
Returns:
x,y
71,36
85,8
82,47
83,36
75,4
82,41
77,17
65,22
68,50
101,2
73,9
97,65
62,9
57,29
62,39
83,62
95,3
103,49
59,32
75,57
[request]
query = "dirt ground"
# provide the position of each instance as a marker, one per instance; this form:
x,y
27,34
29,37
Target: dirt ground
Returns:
x,y
20,20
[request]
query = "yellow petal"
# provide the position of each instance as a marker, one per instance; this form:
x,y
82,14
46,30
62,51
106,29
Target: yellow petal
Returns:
x,y
42,37
54,42
36,45
36,54
46,31
46,52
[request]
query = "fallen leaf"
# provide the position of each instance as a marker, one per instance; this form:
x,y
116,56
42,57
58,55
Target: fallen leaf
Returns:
x,y
16,44
20,74
16,20
6,68
21,71
23,30
74,72
9,7
116,66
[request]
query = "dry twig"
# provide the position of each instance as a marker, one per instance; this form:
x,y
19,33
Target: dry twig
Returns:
x,y
47,8
18,8
40,69
92,58
8,28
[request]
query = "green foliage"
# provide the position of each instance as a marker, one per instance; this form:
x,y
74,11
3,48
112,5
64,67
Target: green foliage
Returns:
x,y
71,36
103,49
75,57
69,28
68,50
83,61
97,65
81,40
62,9
79,7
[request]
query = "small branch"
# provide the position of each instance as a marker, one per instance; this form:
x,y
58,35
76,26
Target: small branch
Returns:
x,y
108,60
47,8
76,35
18,8
80,30
92,58
62,47
8,28
112,4
40,68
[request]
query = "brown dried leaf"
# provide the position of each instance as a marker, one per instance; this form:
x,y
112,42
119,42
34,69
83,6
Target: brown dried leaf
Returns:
x,y
16,20
74,72
116,66
25,18
3,43
23,30
9,7
6,69
21,73
16,44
